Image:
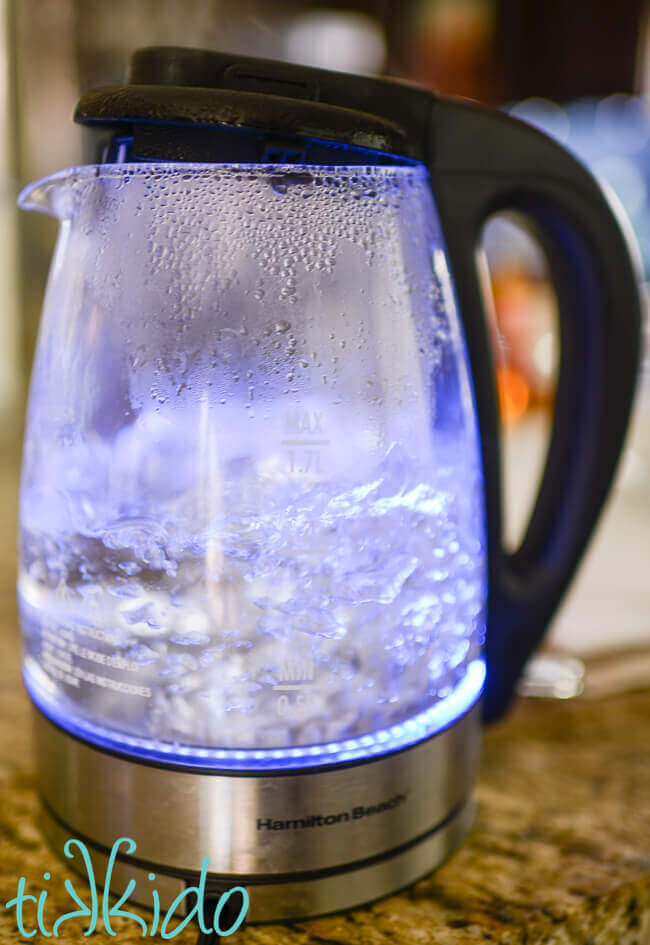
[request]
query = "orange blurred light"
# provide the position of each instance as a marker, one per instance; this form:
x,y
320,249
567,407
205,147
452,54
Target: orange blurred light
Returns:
x,y
514,394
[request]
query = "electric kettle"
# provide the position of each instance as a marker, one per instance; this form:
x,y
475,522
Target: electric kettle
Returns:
x,y
262,585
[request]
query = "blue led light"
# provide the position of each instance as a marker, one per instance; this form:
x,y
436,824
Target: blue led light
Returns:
x,y
433,720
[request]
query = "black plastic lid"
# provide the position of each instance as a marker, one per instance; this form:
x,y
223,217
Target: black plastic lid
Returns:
x,y
194,104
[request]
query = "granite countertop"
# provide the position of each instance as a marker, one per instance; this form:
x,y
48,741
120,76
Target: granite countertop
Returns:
x,y
559,852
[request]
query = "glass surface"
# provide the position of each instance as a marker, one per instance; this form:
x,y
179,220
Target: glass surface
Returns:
x,y
252,525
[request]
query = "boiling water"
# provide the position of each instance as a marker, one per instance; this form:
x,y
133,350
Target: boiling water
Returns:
x,y
266,606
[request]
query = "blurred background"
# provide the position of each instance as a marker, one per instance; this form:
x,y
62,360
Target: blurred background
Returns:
x,y
580,69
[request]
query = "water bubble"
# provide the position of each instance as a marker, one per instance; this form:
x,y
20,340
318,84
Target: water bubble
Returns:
x,y
129,567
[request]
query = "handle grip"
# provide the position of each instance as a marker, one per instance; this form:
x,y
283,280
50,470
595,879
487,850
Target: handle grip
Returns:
x,y
485,162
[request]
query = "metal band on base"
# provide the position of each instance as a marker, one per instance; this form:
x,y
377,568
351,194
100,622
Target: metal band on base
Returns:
x,y
293,899
303,843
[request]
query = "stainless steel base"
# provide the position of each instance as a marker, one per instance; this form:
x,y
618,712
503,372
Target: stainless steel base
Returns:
x,y
302,843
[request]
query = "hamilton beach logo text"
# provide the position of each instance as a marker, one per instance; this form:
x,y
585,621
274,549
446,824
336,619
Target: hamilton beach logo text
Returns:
x,y
327,820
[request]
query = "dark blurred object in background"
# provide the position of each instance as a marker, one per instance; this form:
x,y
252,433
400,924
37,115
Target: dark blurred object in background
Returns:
x,y
567,49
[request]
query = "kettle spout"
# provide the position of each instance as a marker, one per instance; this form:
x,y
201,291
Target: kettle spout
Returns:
x,y
56,195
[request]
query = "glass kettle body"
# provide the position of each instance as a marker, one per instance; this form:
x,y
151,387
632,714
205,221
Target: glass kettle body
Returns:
x,y
252,506
262,581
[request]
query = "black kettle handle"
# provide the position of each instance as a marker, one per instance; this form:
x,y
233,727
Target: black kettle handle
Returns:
x,y
483,162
